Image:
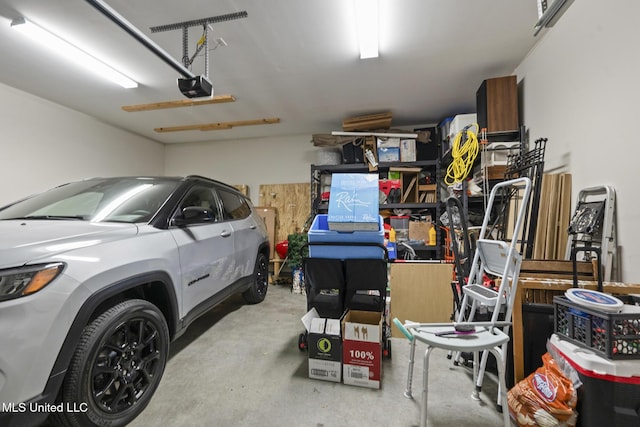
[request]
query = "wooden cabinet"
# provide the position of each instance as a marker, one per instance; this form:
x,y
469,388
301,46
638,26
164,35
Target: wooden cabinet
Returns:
x,y
420,291
497,104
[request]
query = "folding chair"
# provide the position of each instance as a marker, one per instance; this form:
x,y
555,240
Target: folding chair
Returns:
x,y
495,257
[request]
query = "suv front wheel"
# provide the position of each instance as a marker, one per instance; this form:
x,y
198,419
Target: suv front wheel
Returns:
x,y
117,366
258,289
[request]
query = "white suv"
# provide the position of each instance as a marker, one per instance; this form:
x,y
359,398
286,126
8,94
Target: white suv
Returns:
x,y
98,276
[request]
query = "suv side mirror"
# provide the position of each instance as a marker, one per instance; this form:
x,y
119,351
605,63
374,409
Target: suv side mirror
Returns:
x,y
193,214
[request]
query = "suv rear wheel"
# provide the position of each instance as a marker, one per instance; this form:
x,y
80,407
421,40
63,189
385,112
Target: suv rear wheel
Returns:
x,y
117,365
258,290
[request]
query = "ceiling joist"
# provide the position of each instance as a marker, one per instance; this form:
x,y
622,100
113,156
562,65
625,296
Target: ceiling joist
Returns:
x,y
218,126
218,99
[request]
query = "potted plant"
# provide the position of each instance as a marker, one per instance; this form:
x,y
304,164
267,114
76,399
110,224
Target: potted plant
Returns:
x,y
294,259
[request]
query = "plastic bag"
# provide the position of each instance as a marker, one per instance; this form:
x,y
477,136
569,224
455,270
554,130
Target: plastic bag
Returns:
x,y
546,398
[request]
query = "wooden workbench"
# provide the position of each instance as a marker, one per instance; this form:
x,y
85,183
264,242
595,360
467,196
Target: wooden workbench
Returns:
x,y
542,290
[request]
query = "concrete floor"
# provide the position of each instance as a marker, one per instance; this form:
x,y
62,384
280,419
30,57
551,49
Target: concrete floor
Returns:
x,y
239,365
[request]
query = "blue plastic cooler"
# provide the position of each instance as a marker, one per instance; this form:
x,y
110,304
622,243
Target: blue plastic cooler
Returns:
x,y
320,233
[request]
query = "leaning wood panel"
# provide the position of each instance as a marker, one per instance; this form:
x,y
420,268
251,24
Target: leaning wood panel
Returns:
x,y
292,204
420,292
565,215
552,222
556,269
540,239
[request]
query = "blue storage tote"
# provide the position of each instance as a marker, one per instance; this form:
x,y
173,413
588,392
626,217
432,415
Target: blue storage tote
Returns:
x,y
320,233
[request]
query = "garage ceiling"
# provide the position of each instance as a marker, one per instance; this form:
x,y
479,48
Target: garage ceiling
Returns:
x,y
289,59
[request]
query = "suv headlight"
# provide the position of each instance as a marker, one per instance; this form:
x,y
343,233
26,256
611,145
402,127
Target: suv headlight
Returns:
x,y
21,281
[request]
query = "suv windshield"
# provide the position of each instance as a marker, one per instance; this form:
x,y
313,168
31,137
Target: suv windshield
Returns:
x,y
96,200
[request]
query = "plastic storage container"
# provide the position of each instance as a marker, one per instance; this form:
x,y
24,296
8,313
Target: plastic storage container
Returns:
x,y
610,392
611,335
320,233
401,225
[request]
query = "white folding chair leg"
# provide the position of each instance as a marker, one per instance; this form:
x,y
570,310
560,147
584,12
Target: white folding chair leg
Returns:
x,y
425,387
502,387
412,353
476,376
481,369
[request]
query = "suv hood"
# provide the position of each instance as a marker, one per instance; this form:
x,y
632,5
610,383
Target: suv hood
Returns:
x,y
24,241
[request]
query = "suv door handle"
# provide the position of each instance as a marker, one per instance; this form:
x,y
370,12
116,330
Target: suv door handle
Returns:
x,y
252,226
225,233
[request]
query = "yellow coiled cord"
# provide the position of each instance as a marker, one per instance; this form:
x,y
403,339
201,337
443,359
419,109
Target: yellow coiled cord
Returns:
x,y
463,156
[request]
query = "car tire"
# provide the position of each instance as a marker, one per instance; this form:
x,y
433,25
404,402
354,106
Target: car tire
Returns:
x,y
258,289
116,367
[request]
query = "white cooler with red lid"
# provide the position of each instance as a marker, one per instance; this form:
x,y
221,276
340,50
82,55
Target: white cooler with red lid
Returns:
x,y
610,394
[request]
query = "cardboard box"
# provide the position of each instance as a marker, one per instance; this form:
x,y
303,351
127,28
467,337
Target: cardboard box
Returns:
x,y
388,149
419,230
388,154
496,172
388,142
325,349
362,348
407,150
354,202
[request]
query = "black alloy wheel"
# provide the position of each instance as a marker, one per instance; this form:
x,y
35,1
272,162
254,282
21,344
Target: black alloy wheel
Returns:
x,y
118,365
258,290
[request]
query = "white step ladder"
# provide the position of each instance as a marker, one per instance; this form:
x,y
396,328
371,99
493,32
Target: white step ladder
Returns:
x,y
497,258
594,225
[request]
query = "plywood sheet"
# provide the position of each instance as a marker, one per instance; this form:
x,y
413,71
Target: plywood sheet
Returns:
x,y
539,243
552,222
421,292
292,203
553,217
564,215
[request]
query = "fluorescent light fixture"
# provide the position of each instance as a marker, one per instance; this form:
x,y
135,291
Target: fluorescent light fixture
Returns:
x,y
546,14
367,26
71,52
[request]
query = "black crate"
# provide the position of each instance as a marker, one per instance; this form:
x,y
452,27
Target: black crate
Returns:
x,y
611,335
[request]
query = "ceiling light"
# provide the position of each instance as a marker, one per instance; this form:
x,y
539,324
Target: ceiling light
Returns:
x,y
71,52
367,27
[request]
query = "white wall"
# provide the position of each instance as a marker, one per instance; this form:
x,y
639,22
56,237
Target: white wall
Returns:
x,y
276,160
44,144
579,87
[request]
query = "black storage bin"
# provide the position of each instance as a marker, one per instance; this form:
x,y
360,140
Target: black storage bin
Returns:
x,y
428,150
366,284
325,285
352,152
537,327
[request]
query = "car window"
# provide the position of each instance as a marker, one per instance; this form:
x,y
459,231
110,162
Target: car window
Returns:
x,y
234,206
202,197
95,200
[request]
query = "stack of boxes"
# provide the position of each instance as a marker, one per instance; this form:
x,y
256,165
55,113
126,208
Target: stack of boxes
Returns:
x,y
347,349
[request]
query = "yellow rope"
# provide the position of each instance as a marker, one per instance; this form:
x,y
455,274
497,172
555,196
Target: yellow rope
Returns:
x,y
463,156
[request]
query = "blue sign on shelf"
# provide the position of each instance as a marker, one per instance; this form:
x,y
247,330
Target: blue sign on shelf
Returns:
x,y
353,202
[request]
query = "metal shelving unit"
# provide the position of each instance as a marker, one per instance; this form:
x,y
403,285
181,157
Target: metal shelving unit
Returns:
x,y
320,206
